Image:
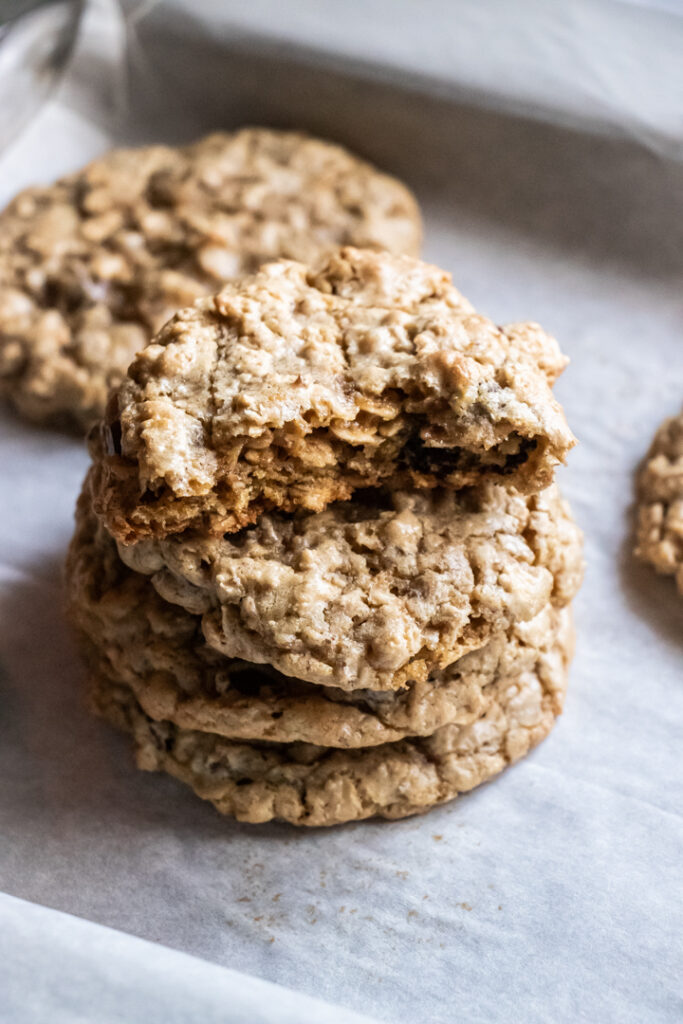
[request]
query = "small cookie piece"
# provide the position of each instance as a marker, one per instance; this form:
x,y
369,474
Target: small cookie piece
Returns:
x,y
92,266
372,593
293,388
312,785
158,650
659,536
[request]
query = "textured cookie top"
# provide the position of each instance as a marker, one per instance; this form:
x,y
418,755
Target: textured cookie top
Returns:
x,y
292,388
365,595
312,785
660,502
92,266
158,650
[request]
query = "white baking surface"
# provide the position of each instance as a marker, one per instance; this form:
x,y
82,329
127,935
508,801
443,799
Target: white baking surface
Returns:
x,y
58,968
551,894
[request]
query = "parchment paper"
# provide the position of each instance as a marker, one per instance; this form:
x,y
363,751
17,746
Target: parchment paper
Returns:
x,y
58,968
551,894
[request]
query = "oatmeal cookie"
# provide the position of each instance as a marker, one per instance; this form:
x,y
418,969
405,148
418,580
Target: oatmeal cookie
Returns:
x,y
660,502
314,785
92,266
158,650
293,388
372,593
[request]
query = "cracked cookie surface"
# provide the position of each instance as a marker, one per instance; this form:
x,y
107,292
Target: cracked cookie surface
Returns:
x,y
312,785
372,594
158,650
93,265
294,387
659,530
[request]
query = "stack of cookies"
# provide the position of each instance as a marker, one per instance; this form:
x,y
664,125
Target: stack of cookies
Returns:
x,y
320,567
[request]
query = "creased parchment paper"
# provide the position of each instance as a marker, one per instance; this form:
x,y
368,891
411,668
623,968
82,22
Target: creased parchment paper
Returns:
x,y
552,894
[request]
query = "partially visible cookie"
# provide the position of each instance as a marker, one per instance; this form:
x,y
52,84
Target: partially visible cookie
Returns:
x,y
158,650
659,538
92,266
312,785
295,387
372,593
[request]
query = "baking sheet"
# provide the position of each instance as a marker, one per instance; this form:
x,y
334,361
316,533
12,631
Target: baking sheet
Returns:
x,y
553,893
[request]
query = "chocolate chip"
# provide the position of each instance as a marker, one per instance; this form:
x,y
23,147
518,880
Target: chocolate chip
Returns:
x,y
417,455
518,458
